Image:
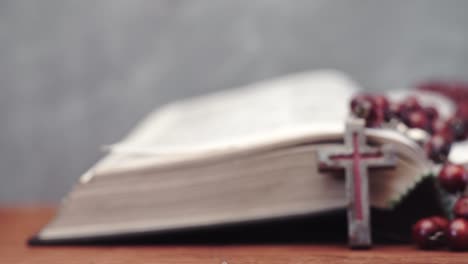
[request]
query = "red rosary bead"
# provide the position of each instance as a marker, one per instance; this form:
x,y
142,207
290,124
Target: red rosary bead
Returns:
x,y
362,106
427,233
453,178
382,108
417,119
437,148
458,234
442,222
460,209
442,128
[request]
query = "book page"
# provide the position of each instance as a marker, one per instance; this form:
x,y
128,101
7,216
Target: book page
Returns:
x,y
302,103
305,104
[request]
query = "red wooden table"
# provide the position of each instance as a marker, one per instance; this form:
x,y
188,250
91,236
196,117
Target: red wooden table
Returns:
x,y
17,224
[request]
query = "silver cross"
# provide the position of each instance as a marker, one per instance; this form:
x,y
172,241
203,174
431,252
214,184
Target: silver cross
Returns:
x,y
355,157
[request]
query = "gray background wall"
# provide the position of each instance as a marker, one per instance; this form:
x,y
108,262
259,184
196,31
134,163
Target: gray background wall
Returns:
x,y
76,74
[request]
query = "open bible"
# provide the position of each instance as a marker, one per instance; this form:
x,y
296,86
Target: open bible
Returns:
x,y
237,157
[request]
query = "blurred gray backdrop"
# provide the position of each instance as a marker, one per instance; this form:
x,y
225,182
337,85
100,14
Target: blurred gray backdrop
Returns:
x,y
78,74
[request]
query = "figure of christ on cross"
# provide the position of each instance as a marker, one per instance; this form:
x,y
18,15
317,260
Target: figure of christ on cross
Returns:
x,y
355,157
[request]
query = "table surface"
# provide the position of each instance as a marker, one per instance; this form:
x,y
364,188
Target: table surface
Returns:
x,y
17,224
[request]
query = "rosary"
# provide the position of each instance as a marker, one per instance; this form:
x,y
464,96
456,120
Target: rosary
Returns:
x,y
439,135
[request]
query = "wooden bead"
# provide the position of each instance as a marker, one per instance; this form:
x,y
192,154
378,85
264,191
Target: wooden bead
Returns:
x,y
442,222
417,119
428,234
458,234
437,148
453,178
460,209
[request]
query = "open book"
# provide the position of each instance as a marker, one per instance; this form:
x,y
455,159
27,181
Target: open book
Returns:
x,y
243,155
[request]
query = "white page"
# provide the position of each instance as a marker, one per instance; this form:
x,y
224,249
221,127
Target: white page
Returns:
x,y
459,152
307,102
267,112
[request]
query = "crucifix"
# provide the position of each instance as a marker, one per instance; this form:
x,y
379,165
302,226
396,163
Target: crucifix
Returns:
x,y
355,157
